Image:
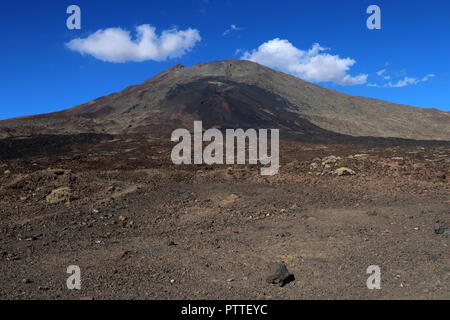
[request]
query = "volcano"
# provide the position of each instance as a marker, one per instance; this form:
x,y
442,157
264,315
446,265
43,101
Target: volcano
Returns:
x,y
236,94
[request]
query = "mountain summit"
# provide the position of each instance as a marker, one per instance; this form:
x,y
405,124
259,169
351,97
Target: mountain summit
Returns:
x,y
236,94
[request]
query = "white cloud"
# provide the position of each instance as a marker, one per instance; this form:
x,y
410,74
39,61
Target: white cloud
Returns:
x,y
233,27
428,77
405,81
238,52
311,65
117,45
402,83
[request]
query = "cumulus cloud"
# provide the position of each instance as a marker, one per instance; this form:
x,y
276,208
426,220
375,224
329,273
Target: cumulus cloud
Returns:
x,y
117,45
312,65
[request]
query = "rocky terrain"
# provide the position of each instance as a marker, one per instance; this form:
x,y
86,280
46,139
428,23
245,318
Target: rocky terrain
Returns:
x,y
94,186
141,228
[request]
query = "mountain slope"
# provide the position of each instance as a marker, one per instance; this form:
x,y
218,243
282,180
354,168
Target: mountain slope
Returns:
x,y
235,93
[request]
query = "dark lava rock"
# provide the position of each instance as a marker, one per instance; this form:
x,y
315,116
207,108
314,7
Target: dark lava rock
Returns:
x,y
281,275
441,175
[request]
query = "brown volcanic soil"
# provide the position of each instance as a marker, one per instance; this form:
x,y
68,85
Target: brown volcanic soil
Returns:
x,y
136,221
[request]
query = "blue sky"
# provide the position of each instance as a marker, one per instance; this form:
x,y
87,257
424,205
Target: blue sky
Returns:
x,y
407,61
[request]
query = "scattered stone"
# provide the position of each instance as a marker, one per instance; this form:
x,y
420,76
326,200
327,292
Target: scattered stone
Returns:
x,y
7,172
314,165
284,235
281,275
125,254
397,158
433,257
59,195
171,244
441,175
440,229
122,218
330,160
27,281
295,212
344,172
372,213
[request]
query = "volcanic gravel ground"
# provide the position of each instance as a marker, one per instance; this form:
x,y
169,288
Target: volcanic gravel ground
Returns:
x,y
140,227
